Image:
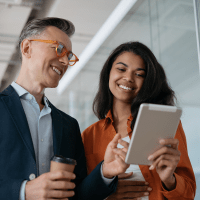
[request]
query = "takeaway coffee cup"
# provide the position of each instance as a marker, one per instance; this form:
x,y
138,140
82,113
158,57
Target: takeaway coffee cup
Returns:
x,y
61,163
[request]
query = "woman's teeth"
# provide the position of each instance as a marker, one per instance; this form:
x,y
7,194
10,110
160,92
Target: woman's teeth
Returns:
x,y
56,70
124,87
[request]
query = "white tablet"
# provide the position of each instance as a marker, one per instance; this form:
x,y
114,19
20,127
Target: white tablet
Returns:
x,y
153,123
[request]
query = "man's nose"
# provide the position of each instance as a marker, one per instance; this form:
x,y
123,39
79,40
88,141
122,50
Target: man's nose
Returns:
x,y
64,60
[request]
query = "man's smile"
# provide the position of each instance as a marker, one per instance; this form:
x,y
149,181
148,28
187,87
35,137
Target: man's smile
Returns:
x,y
58,71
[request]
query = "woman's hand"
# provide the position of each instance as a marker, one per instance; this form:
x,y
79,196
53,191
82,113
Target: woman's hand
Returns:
x,y
165,160
114,163
127,189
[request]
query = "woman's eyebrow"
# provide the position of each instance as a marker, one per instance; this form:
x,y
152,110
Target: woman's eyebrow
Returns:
x,y
123,64
141,69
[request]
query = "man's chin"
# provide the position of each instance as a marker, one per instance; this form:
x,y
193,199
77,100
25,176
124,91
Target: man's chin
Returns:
x,y
52,85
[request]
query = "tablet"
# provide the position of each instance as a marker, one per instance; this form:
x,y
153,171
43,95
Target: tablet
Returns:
x,y
153,123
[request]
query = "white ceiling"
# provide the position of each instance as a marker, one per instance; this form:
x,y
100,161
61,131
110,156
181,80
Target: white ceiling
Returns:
x,y
12,20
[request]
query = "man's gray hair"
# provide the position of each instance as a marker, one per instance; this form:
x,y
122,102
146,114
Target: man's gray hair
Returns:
x,y
37,26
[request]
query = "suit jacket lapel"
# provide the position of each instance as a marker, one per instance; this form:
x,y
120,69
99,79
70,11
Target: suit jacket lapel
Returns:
x,y
14,106
57,124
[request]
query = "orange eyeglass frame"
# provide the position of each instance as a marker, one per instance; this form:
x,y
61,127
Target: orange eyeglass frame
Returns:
x,y
64,52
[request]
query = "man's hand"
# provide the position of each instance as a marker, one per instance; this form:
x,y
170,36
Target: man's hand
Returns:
x,y
51,185
127,189
114,158
165,160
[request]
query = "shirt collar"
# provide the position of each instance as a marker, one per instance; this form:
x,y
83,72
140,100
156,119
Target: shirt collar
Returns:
x,y
46,102
109,116
21,92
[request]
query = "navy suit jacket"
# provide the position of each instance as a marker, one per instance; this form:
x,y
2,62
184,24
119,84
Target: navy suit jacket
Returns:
x,y
17,156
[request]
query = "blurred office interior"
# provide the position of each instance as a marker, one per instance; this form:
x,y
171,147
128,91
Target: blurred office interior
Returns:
x,y
170,28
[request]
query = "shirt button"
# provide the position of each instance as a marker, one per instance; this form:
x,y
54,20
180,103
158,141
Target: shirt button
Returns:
x,y
43,164
31,177
42,140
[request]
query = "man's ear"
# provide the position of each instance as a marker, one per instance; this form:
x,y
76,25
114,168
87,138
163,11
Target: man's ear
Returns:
x,y
25,48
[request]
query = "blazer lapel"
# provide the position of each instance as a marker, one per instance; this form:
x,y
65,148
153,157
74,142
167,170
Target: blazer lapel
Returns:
x,y
14,106
57,124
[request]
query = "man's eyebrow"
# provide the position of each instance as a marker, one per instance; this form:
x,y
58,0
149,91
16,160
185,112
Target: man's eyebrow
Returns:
x,y
139,69
61,43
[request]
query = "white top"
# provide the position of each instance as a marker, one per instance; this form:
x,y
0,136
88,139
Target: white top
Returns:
x,y
137,174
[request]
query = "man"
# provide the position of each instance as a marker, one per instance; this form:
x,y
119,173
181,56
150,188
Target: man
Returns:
x,y
32,130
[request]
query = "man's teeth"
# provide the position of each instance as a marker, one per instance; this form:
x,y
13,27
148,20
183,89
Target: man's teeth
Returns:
x,y
124,87
56,70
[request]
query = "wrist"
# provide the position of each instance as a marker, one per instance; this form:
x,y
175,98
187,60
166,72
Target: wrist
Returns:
x,y
170,184
104,171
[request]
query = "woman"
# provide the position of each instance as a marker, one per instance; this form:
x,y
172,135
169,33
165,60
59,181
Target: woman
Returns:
x,y
131,76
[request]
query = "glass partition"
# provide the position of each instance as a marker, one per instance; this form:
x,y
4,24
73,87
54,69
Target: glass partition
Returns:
x,y
167,27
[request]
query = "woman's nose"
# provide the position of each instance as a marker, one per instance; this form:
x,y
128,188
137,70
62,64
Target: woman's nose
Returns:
x,y
129,77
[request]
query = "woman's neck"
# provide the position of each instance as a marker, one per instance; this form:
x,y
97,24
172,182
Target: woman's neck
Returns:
x,y
121,112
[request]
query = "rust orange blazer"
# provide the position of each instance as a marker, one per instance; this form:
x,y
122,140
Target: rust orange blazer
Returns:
x,y
96,138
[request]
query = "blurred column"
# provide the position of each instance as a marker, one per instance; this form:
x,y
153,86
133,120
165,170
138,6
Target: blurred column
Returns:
x,y
72,102
197,23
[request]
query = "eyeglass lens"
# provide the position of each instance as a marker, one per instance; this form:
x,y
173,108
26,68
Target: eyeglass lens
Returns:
x,y
61,52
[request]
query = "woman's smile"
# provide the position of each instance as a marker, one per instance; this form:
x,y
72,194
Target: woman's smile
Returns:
x,y
126,88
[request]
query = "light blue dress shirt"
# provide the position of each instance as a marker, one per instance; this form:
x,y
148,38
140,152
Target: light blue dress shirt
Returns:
x,y
40,125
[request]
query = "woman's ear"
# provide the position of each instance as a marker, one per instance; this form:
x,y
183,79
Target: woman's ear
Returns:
x,y
25,48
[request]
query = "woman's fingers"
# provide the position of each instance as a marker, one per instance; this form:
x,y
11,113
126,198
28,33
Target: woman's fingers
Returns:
x,y
162,151
172,161
171,142
167,163
162,157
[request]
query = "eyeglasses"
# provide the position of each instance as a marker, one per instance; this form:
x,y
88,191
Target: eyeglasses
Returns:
x,y
61,51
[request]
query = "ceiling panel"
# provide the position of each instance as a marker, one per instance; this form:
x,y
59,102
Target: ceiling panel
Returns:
x,y
12,20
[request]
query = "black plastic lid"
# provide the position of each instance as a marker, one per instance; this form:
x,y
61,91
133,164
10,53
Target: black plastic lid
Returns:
x,y
62,159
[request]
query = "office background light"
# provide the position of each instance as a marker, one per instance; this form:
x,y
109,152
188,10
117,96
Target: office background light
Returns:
x,y
113,20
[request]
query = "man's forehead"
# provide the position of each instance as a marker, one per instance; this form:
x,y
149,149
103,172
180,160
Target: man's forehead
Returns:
x,y
54,33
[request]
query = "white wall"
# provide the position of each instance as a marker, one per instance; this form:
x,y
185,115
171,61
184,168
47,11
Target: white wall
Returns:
x,y
191,125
